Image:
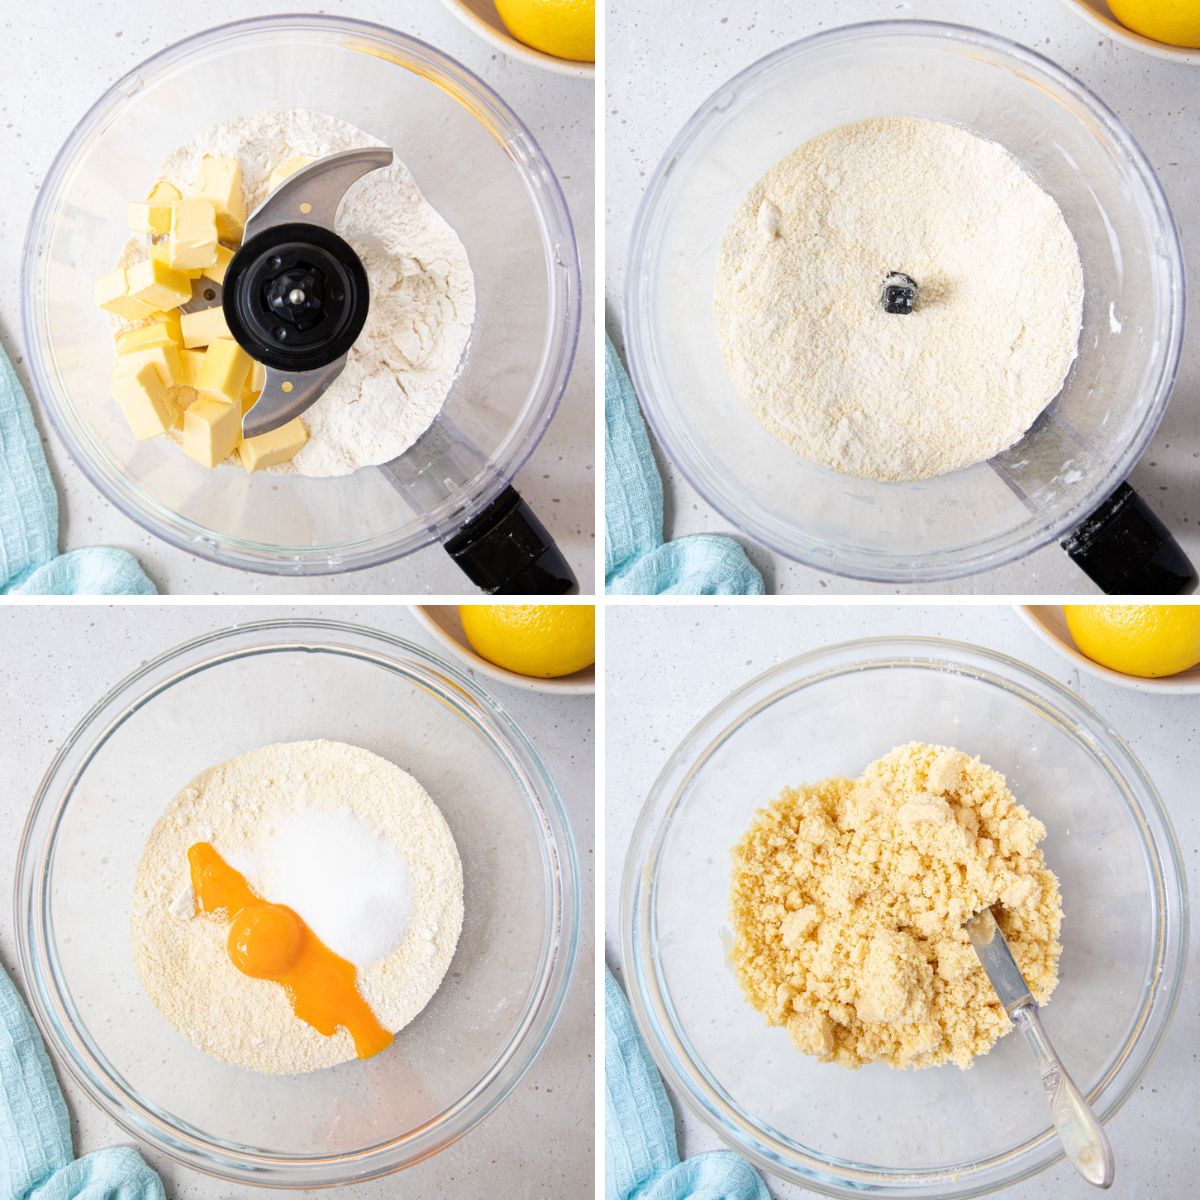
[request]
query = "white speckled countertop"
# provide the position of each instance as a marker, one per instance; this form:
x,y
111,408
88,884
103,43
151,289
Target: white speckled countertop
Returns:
x,y
667,667
69,54
664,60
539,1143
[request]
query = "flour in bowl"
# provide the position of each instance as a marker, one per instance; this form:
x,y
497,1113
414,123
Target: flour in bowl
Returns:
x,y
895,395
385,892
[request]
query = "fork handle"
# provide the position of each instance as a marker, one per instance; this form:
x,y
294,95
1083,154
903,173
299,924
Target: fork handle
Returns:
x,y
1080,1133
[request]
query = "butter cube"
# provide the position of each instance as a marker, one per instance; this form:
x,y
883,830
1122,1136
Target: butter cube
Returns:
x,y
189,367
211,430
164,359
271,449
216,269
223,373
154,333
156,284
286,170
163,192
170,322
221,183
201,328
161,252
144,401
253,386
153,215
192,243
112,295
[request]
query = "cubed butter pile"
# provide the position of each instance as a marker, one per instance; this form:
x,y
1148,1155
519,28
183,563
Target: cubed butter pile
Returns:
x,y
183,371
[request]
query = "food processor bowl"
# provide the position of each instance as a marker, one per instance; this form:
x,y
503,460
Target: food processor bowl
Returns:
x,y
476,164
219,696
939,1132
1075,455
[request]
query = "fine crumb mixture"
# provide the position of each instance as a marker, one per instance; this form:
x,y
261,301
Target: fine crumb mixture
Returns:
x,y
901,394
849,899
241,807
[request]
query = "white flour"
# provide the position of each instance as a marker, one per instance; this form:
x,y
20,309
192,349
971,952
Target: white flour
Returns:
x,y
241,806
422,290
890,396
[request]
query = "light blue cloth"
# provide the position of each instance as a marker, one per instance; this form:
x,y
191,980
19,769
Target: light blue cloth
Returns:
x,y
641,1157
30,564
36,1160
636,560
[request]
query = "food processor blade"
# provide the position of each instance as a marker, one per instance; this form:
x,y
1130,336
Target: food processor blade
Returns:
x,y
315,192
295,295
285,395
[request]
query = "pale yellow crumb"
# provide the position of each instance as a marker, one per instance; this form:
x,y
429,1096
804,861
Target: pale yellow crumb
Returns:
x,y
848,904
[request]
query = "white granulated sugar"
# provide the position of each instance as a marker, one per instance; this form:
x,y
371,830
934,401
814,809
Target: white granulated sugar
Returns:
x,y
890,396
242,807
350,886
401,368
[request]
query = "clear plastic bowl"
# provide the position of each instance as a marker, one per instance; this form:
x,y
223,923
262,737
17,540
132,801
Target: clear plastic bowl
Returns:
x,y
1074,456
940,1132
219,696
476,164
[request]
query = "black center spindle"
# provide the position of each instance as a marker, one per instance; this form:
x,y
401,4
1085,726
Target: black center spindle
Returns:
x,y
899,293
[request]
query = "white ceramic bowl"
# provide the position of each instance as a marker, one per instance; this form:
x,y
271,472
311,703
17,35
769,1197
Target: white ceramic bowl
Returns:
x,y
443,622
481,17
1097,14
1049,623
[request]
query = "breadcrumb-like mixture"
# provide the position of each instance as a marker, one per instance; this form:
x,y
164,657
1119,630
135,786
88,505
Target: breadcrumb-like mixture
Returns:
x,y
849,899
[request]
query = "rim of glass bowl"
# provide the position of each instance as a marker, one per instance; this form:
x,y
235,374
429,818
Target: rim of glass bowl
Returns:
x,y
777,535
558,352
50,999
649,998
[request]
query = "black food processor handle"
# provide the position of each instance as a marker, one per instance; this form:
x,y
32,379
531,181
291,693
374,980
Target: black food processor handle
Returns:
x,y
1128,551
503,549
506,551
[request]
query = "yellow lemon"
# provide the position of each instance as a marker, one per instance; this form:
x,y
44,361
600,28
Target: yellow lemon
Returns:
x,y
543,640
1176,22
1149,640
564,28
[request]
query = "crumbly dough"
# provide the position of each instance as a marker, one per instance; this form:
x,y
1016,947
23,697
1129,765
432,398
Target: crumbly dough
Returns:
x,y
874,394
849,898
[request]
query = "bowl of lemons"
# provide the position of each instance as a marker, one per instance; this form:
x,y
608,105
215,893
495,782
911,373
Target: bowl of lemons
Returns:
x,y
1166,28
1150,647
557,35
539,647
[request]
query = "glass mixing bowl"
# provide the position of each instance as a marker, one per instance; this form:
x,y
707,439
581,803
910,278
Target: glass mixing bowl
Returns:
x,y
939,1132
476,164
1073,457
219,696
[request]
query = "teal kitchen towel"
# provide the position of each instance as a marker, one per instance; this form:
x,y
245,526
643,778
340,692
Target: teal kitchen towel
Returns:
x,y
641,1157
636,560
30,564
36,1160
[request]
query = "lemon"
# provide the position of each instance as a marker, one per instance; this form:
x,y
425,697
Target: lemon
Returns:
x,y
1176,22
543,640
564,28
1148,640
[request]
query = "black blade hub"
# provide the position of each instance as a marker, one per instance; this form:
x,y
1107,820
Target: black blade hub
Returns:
x,y
296,297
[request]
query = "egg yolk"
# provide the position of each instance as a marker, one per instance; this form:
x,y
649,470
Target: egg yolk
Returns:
x,y
270,941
